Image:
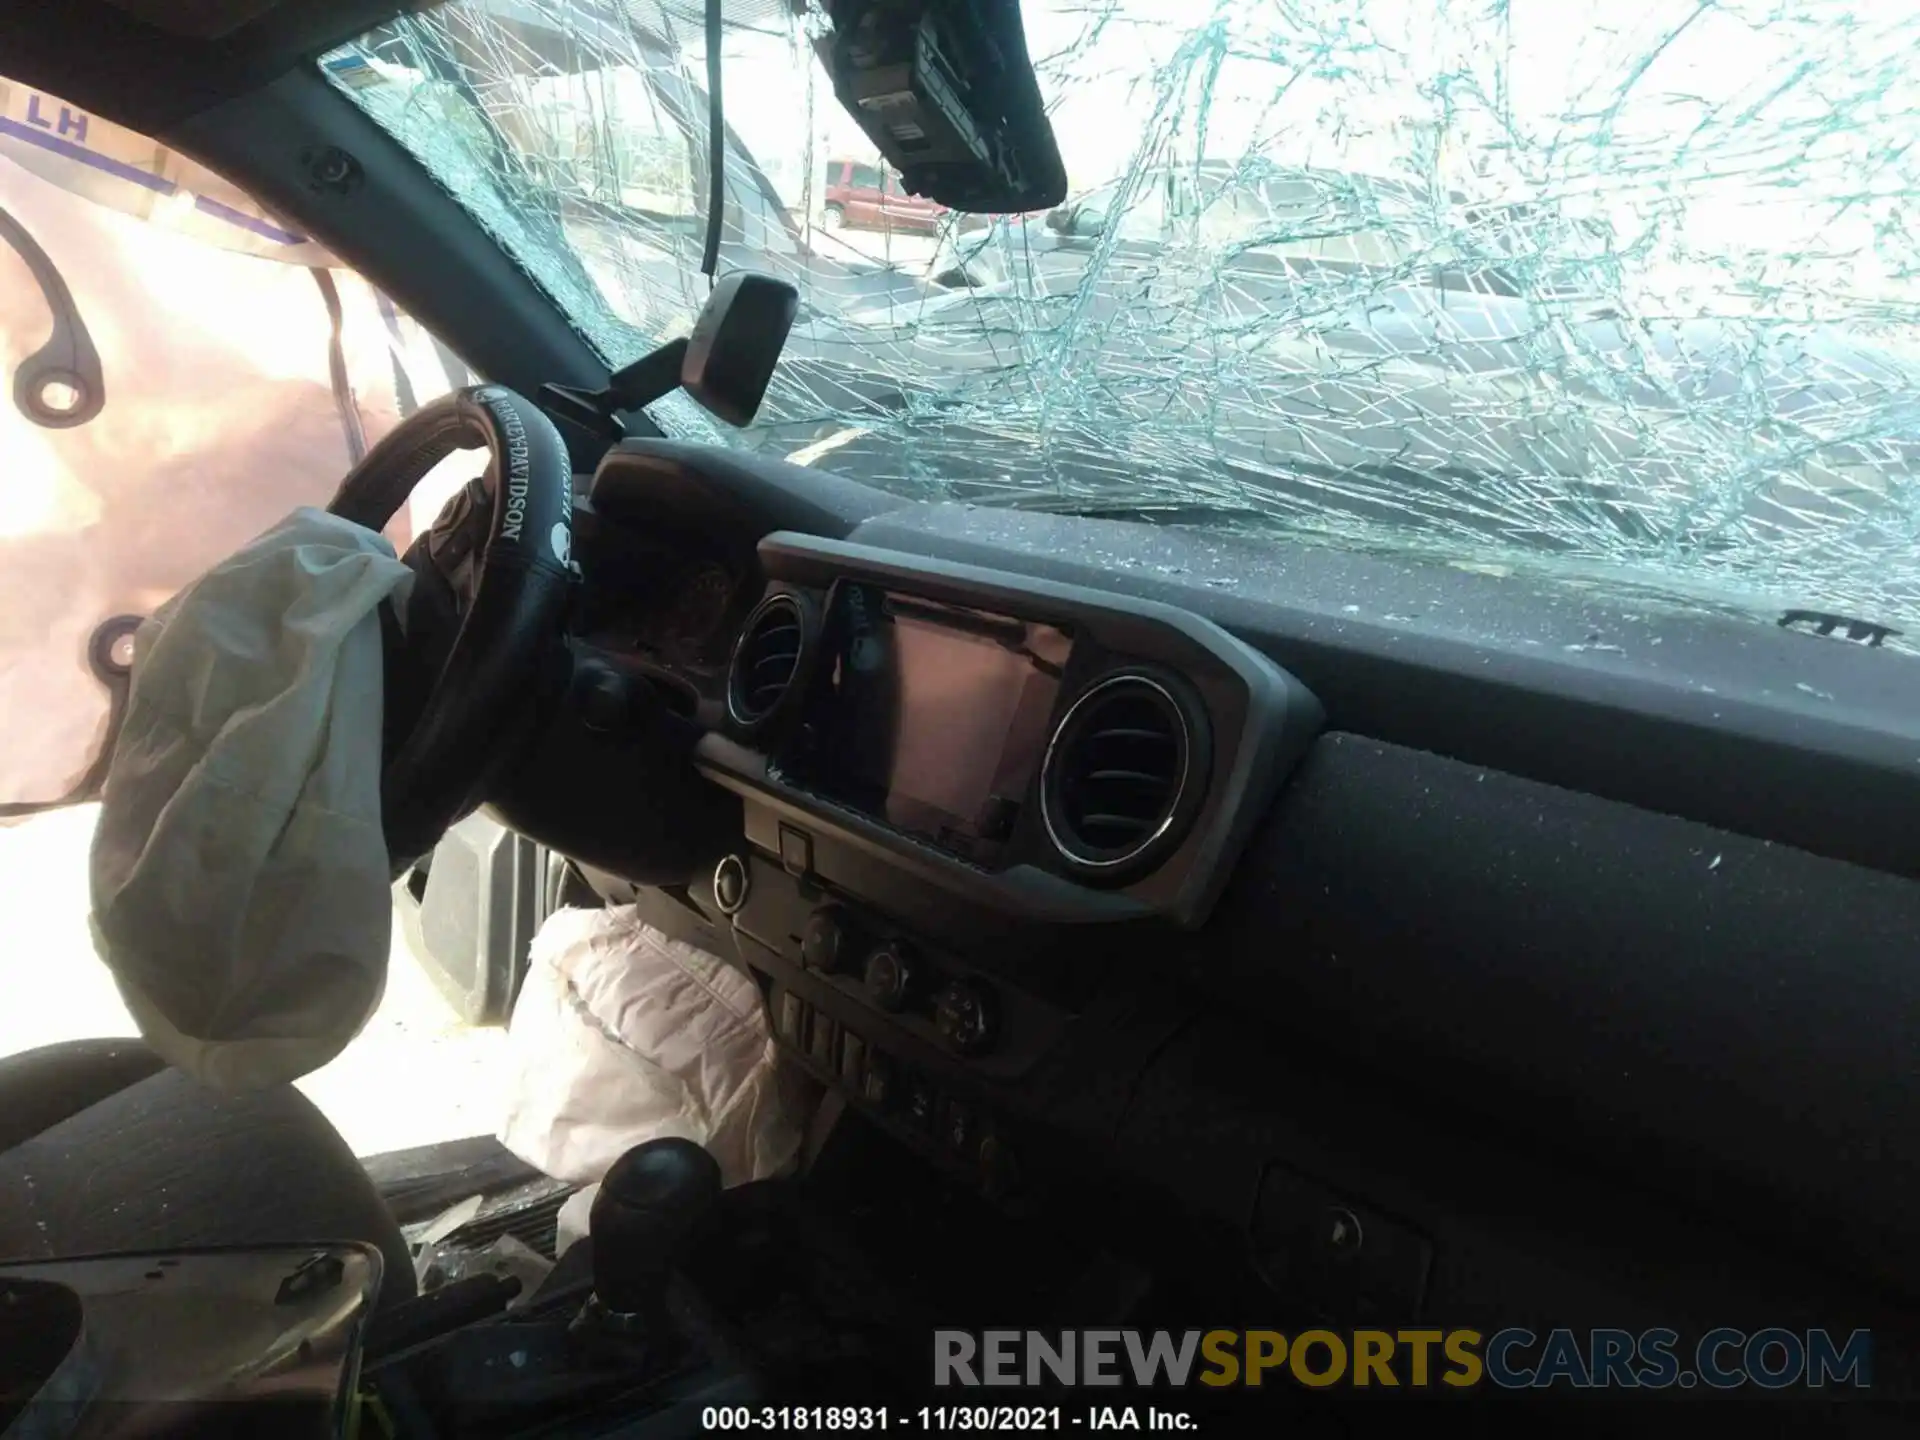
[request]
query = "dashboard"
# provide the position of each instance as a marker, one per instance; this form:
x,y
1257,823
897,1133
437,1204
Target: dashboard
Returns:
x,y
1261,913
943,775
1045,752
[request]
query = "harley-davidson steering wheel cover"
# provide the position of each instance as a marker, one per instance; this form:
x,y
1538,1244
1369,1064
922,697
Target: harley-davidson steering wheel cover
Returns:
x,y
517,608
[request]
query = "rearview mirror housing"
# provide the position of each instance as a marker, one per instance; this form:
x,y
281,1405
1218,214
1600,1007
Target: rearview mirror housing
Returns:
x,y
736,342
945,90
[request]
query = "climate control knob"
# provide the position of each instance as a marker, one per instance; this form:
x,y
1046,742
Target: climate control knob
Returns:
x,y
966,1016
824,945
893,976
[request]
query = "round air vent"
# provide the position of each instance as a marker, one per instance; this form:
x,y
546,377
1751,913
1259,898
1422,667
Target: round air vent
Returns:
x,y
766,658
1123,775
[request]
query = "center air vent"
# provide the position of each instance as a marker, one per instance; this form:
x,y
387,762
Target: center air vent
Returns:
x,y
1123,775
766,659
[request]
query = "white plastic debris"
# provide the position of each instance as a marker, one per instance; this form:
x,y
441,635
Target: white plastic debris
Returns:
x,y
450,1220
570,1224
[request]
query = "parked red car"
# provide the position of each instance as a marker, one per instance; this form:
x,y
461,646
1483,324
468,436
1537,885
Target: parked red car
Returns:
x,y
863,196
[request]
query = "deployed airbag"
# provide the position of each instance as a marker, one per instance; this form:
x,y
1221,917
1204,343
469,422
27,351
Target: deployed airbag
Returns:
x,y
239,872
622,1035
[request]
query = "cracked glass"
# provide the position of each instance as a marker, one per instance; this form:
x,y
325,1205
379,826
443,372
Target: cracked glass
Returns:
x,y
1619,291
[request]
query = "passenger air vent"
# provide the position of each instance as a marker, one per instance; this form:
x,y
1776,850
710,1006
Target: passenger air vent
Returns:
x,y
1123,776
766,658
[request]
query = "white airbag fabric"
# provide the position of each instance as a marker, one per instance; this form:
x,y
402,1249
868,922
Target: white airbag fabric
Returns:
x,y
240,884
622,1035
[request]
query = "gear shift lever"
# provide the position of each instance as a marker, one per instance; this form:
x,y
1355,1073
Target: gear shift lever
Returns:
x,y
651,1208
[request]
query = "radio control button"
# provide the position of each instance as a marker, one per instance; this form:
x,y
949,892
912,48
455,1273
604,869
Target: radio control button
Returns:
x,y
966,1016
893,976
823,946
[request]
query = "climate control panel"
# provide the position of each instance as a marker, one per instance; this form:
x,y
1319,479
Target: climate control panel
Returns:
x,y
904,1023
964,1011
933,996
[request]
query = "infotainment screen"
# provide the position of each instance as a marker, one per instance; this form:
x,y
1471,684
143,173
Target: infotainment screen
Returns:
x,y
933,717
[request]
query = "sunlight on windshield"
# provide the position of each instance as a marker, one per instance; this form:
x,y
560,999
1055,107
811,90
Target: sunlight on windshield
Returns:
x,y
1604,287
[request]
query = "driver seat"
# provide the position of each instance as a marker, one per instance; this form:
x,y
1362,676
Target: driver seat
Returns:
x,y
104,1147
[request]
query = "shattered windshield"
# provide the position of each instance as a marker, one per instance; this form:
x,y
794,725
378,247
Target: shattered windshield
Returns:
x,y
1596,288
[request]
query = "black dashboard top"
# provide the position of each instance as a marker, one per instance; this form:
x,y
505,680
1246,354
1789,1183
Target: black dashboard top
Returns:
x,y
1778,734
1679,709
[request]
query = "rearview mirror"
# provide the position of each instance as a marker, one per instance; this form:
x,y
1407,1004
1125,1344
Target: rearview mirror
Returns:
x,y
946,92
736,342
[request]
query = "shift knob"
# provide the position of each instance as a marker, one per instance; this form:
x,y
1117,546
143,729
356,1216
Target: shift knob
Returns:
x,y
651,1207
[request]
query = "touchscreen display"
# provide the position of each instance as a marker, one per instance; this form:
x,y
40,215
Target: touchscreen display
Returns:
x,y
937,716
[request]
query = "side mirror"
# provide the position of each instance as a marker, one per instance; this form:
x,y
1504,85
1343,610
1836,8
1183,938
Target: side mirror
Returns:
x,y
736,342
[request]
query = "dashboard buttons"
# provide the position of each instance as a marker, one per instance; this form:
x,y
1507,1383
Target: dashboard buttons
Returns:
x,y
853,1060
966,1016
893,976
796,852
878,1089
923,1104
731,885
1347,1260
826,1035
790,1017
958,1128
1341,1233
823,946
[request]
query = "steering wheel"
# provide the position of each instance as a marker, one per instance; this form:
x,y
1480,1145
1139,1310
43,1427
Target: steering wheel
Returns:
x,y
511,613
